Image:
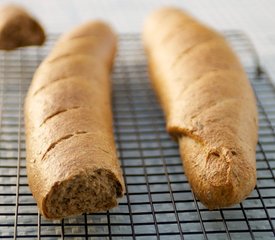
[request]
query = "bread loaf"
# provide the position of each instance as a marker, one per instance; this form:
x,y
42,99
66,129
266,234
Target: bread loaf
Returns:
x,y
18,28
72,165
209,105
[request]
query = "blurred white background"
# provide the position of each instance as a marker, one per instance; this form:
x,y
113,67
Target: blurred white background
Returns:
x,y
255,17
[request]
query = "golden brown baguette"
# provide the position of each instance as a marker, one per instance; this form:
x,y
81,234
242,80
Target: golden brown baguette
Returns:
x,y
209,105
72,165
18,28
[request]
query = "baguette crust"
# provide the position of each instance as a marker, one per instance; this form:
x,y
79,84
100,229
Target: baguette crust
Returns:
x,y
18,28
209,105
71,156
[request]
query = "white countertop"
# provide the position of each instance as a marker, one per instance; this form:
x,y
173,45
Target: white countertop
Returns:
x,y
256,18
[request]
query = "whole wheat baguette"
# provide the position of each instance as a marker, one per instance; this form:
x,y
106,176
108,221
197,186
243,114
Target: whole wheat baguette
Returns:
x,y
18,28
72,165
209,105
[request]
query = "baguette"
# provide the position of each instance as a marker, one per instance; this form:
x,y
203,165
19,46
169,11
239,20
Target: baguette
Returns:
x,y
209,105
72,165
18,28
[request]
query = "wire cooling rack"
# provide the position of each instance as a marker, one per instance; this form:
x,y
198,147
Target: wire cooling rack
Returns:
x,y
158,203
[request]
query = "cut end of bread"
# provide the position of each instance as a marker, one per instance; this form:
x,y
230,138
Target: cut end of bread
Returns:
x,y
92,192
15,35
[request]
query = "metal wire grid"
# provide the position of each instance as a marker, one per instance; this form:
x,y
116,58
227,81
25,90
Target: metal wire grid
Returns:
x,y
159,203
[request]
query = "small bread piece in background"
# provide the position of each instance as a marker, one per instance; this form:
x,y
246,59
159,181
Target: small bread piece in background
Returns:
x,y
18,28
